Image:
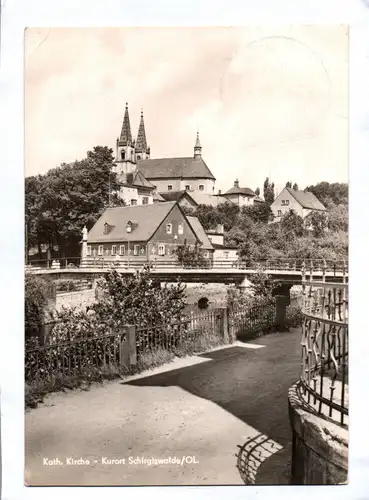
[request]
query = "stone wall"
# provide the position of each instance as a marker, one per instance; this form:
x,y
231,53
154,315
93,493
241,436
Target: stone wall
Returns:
x,y
75,299
320,447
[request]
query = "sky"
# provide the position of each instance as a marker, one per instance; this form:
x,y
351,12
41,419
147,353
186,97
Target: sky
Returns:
x,y
268,101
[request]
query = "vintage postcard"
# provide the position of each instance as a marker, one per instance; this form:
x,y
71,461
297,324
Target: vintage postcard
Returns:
x,y
186,256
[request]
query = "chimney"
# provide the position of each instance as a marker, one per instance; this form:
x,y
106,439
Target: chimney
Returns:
x,y
220,229
236,183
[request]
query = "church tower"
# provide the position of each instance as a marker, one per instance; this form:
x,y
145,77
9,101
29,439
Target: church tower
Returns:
x,y
141,149
125,148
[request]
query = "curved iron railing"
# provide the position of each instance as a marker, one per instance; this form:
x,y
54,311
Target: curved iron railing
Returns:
x,y
324,360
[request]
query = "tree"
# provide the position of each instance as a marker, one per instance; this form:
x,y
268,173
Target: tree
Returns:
x,y
288,184
259,212
295,187
66,198
337,192
318,222
210,217
269,195
257,191
338,218
292,224
190,257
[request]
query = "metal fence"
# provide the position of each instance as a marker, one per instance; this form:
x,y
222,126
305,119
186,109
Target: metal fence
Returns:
x,y
324,370
244,323
67,352
189,331
60,357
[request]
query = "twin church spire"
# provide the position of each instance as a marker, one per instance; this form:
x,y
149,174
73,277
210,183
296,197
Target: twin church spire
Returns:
x,y
140,145
125,138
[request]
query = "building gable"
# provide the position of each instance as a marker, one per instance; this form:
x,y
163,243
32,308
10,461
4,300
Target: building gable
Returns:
x,y
175,217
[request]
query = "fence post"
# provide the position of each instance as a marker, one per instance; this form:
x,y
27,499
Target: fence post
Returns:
x,y
281,307
128,348
225,326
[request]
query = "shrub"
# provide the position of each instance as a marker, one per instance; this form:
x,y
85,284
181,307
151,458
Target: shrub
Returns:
x,y
35,299
293,316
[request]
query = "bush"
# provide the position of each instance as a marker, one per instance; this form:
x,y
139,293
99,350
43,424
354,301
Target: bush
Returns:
x,y
35,300
294,316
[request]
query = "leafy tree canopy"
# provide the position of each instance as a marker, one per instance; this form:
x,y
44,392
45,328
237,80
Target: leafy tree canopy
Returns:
x,y
62,201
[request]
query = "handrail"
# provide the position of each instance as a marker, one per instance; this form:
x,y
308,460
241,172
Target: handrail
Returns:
x,y
324,354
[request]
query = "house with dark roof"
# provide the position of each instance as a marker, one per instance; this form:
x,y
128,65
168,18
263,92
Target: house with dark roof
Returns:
x,y
302,202
241,196
144,233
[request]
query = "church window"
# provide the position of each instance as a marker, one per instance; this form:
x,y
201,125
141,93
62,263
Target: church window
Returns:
x,y
169,228
145,200
180,228
161,250
123,154
170,187
201,187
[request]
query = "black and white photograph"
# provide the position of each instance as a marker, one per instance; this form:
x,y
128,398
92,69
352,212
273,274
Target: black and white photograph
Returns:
x,y
186,255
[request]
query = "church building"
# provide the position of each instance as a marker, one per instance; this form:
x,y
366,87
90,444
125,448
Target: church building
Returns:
x,y
142,178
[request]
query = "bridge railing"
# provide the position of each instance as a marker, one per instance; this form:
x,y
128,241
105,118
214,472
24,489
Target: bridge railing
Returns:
x,y
324,361
328,267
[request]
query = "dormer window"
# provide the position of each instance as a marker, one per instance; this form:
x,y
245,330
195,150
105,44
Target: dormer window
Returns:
x,y
106,228
129,227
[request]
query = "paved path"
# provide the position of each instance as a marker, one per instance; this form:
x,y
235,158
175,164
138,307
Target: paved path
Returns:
x,y
224,408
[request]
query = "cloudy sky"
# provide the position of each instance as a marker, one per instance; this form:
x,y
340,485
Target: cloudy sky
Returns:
x,y
267,101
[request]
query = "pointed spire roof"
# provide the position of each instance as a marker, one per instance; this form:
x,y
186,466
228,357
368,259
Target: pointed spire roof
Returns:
x,y
141,143
126,135
197,143
197,149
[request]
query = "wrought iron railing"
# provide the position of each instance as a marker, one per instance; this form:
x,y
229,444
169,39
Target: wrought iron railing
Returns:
x,y
325,349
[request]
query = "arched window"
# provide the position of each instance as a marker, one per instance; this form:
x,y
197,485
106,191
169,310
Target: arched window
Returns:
x,y
138,157
123,154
